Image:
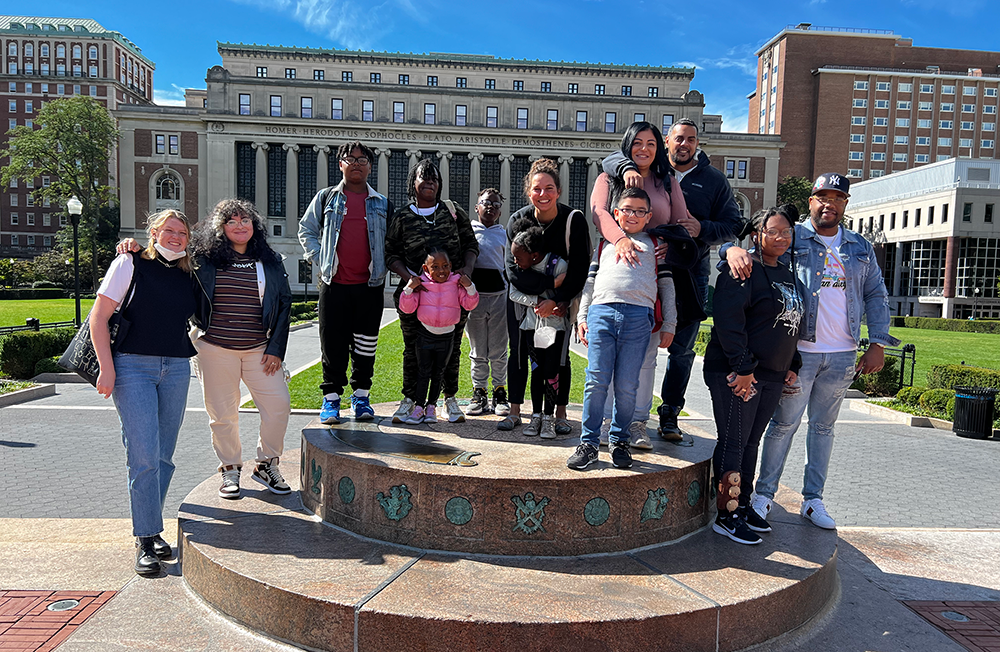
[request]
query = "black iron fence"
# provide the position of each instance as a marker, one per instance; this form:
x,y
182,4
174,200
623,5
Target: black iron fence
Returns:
x,y
32,324
906,354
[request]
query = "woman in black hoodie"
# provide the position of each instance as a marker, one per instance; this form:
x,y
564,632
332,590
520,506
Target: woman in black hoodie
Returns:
x,y
751,356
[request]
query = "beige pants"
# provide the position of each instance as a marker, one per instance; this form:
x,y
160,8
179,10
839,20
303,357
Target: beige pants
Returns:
x,y
220,371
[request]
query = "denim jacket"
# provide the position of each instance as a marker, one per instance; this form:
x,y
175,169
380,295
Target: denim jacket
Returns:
x,y
319,230
866,293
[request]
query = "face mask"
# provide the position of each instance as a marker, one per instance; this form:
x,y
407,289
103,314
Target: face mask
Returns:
x,y
169,254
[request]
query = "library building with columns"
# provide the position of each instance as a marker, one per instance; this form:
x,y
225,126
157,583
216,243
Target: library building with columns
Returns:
x,y
268,123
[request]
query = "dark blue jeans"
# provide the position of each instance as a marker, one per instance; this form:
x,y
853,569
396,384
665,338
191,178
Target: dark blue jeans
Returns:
x,y
681,351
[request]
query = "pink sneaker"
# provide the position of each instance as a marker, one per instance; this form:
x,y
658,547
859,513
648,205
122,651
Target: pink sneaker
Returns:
x,y
429,416
416,415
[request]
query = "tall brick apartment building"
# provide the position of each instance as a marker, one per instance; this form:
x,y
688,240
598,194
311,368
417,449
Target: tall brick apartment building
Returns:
x,y
869,102
45,59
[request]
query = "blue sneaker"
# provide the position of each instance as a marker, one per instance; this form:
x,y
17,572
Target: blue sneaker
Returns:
x,y
330,414
362,408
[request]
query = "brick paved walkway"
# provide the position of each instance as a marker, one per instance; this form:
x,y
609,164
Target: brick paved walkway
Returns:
x,y
27,624
975,625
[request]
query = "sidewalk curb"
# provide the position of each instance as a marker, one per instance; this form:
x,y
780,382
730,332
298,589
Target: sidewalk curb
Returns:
x,y
889,414
29,394
56,377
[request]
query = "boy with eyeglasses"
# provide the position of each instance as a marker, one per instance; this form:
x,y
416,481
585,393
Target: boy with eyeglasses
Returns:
x,y
487,325
344,231
615,321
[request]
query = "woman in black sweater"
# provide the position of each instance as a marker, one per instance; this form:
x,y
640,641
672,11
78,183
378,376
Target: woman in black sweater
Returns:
x,y
751,356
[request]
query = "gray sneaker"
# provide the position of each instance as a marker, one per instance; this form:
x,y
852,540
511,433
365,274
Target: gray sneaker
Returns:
x,y
534,426
548,430
455,414
638,436
405,407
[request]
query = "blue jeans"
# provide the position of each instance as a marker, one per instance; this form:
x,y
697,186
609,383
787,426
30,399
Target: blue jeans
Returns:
x,y
681,350
822,383
617,334
150,395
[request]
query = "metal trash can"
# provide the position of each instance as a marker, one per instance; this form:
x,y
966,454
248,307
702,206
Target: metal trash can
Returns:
x,y
974,411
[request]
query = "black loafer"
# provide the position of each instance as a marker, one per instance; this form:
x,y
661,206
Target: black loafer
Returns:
x,y
146,562
162,548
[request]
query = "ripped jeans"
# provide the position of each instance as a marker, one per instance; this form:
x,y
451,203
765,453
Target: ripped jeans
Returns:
x,y
822,383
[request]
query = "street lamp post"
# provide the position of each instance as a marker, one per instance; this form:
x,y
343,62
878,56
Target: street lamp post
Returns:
x,y
75,208
975,301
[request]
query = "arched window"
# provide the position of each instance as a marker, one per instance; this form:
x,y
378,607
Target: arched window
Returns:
x,y
166,187
168,191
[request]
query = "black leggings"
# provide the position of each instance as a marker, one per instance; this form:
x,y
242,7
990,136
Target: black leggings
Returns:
x,y
546,379
433,353
411,328
518,362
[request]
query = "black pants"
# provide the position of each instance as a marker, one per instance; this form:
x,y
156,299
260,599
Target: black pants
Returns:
x,y
411,327
349,318
518,363
546,379
740,425
433,354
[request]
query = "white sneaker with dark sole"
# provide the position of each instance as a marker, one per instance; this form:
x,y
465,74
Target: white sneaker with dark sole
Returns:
x,y
268,475
230,488
814,510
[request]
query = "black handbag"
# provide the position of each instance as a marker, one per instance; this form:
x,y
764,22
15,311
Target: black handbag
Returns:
x,y
80,356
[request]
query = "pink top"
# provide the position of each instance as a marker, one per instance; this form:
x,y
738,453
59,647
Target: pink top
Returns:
x,y
438,304
667,209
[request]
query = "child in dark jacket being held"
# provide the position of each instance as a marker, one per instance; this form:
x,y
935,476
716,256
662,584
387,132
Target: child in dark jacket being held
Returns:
x,y
437,296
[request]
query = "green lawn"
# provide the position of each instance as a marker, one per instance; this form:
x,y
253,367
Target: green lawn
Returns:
x,y
13,312
945,347
8,386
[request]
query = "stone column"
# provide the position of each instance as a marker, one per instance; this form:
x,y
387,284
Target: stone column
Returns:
x,y
383,171
291,188
771,181
950,267
414,155
564,162
475,158
505,160
322,166
444,166
260,190
593,171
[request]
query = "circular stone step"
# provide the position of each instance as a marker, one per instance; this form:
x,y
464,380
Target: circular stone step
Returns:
x,y
468,487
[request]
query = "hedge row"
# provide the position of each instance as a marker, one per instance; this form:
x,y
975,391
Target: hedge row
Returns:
x,y
301,308
955,325
946,376
37,293
21,351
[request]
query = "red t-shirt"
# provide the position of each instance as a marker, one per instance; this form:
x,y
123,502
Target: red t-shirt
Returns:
x,y
354,256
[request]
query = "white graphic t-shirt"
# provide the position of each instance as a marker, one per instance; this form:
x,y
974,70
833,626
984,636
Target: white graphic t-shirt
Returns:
x,y
833,333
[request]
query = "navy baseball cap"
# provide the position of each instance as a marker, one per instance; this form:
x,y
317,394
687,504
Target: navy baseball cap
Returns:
x,y
832,181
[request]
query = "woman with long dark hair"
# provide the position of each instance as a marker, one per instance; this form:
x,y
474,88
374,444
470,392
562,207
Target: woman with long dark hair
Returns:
x,y
751,356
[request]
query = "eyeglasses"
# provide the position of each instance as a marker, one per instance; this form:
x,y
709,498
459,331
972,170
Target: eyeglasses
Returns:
x,y
491,204
830,201
350,160
783,233
629,212
246,221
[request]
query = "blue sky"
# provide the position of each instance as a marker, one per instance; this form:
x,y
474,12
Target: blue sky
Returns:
x,y
719,38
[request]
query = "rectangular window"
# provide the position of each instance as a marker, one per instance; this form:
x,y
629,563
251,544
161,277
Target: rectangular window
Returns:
x,y
15,239
989,126
858,120
947,124
430,111
174,146
860,103
944,142
491,116
730,169
857,138
903,105
927,88
581,121
46,219
638,117
43,50
883,86
969,126
367,110
610,119
925,106
398,111
546,87
275,106
968,108
552,119
598,89
491,85
947,107
626,91
856,156
518,85
741,170
404,80
902,122
306,107
987,144
854,172
461,82
922,158
988,217
14,219
289,73
91,71
967,212
522,118
460,115
432,80
906,219
947,90
965,142
45,182
878,139
375,78
881,104
262,71
652,91
12,106
924,124
924,141
878,156
337,109
60,89
899,158
969,90
930,215
573,88
905,88
346,76
901,140
989,110
161,144
858,85
989,92
93,93
944,213
319,75
31,216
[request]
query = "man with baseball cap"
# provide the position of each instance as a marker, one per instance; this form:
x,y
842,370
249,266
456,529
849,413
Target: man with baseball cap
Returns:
x,y
843,284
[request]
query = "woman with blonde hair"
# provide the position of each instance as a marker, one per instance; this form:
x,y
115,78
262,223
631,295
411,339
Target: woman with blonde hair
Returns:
x,y
149,372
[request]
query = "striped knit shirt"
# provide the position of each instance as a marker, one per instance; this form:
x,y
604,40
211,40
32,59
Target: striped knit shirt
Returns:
x,y
237,317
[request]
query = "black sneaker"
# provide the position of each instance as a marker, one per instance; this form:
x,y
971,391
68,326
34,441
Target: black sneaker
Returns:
x,y
147,563
734,527
621,456
480,402
161,548
754,520
501,406
584,456
668,428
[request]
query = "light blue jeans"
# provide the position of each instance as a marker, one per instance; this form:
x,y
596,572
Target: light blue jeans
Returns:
x,y
822,383
150,395
644,393
618,334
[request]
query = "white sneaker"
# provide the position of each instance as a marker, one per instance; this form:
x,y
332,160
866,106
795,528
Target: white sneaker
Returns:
x,y
761,505
638,437
814,510
605,431
534,426
455,414
230,488
405,407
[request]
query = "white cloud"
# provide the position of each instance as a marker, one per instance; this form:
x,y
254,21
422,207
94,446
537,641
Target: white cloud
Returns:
x,y
169,97
346,22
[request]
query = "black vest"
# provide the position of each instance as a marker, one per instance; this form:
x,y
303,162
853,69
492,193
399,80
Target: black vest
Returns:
x,y
158,313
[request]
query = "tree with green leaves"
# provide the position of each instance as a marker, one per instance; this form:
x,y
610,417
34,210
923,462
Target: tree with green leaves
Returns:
x,y
72,145
795,191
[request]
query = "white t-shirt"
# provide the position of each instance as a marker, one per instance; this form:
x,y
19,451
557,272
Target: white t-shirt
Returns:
x,y
833,333
118,278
